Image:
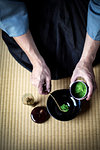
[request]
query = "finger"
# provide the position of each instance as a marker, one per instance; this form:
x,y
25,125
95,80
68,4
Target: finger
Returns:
x,y
48,84
90,90
34,82
73,79
40,88
45,92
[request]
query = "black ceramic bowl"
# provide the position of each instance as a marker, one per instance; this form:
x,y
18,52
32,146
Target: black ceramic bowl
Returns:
x,y
63,97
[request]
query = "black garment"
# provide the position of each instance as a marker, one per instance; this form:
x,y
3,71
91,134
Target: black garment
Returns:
x,y
58,28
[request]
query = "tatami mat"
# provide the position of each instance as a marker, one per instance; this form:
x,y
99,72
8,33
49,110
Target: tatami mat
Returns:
x,y
18,132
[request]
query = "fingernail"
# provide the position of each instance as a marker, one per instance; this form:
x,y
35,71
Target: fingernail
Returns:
x,y
87,98
48,90
40,92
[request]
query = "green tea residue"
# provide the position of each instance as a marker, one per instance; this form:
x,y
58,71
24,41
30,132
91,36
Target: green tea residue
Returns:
x,y
64,107
80,90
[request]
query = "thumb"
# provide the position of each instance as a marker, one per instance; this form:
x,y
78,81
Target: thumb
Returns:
x,y
73,79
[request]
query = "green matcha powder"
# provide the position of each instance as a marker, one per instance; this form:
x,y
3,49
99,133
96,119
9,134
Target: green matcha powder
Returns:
x,y
64,107
80,90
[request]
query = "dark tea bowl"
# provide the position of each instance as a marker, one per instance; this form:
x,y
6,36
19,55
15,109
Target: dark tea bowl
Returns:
x,y
63,97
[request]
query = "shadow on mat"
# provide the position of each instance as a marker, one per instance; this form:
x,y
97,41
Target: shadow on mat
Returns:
x,y
85,106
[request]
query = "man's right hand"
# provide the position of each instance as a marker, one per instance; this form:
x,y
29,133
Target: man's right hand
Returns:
x,y
41,77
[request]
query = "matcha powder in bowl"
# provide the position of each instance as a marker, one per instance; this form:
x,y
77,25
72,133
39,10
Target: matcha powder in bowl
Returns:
x,y
64,107
79,90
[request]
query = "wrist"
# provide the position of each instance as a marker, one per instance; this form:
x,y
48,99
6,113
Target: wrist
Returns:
x,y
35,57
87,59
90,49
85,62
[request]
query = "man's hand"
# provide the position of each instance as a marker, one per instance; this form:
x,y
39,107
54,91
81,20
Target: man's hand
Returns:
x,y
41,77
84,67
85,71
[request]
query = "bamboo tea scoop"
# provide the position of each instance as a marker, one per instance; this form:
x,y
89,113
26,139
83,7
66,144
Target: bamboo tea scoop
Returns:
x,y
63,110
56,102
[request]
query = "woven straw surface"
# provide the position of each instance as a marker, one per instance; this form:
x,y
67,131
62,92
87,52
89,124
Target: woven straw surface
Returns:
x,y
18,132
